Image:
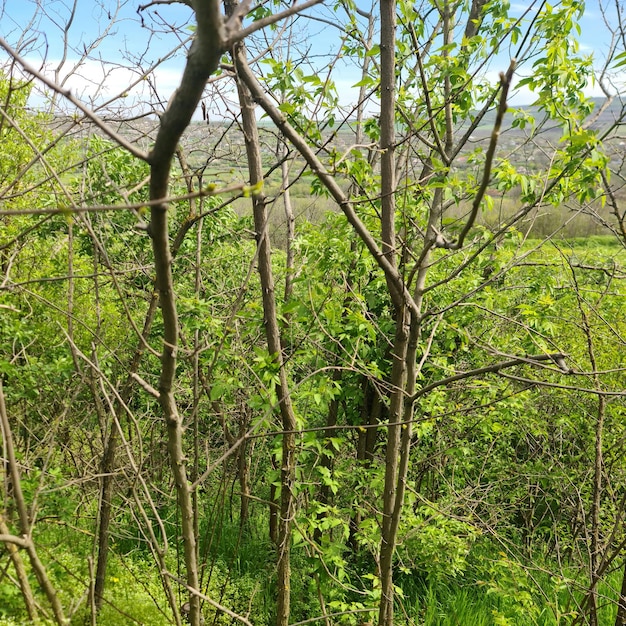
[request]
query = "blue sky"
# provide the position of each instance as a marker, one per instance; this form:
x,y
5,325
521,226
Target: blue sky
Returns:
x,y
125,42
104,76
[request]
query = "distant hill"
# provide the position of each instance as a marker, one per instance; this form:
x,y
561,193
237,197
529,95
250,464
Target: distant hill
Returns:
x,y
600,118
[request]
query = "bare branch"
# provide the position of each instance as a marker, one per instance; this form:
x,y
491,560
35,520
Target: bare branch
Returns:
x,y
67,94
556,358
239,35
208,191
23,542
146,386
213,603
505,81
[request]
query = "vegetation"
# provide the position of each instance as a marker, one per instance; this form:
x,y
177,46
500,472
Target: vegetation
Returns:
x,y
343,364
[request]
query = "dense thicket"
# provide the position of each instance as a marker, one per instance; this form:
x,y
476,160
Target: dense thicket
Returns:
x,y
315,361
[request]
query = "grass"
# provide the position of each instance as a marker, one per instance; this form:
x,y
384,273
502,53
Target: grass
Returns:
x,y
493,591
516,599
455,607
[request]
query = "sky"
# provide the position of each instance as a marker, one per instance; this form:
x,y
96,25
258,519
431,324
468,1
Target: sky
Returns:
x,y
127,42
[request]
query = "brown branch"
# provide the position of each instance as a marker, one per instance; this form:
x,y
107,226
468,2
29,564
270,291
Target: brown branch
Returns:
x,y
557,358
241,34
213,603
147,387
143,7
543,383
202,61
329,182
23,542
208,191
505,82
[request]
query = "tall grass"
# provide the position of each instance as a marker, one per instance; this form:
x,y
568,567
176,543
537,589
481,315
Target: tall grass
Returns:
x,y
537,599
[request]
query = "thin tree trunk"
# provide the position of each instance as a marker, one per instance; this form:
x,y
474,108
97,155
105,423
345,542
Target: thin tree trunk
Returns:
x,y
389,522
272,331
202,61
289,276
374,416
387,143
393,510
109,463
398,370
620,619
22,512
167,400
22,576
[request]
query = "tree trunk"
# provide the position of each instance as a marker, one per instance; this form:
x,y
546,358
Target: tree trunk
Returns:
x,y
394,429
22,576
398,370
22,512
620,619
272,331
202,61
109,463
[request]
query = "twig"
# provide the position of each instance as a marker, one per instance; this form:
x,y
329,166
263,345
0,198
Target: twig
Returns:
x,y
210,190
213,603
505,82
146,386
66,93
556,358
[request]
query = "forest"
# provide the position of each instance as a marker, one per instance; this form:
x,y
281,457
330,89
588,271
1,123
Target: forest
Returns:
x,y
331,332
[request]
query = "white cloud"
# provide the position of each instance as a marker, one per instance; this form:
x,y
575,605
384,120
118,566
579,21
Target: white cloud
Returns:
x,y
101,85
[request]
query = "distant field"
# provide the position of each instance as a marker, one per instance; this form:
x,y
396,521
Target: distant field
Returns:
x,y
216,152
